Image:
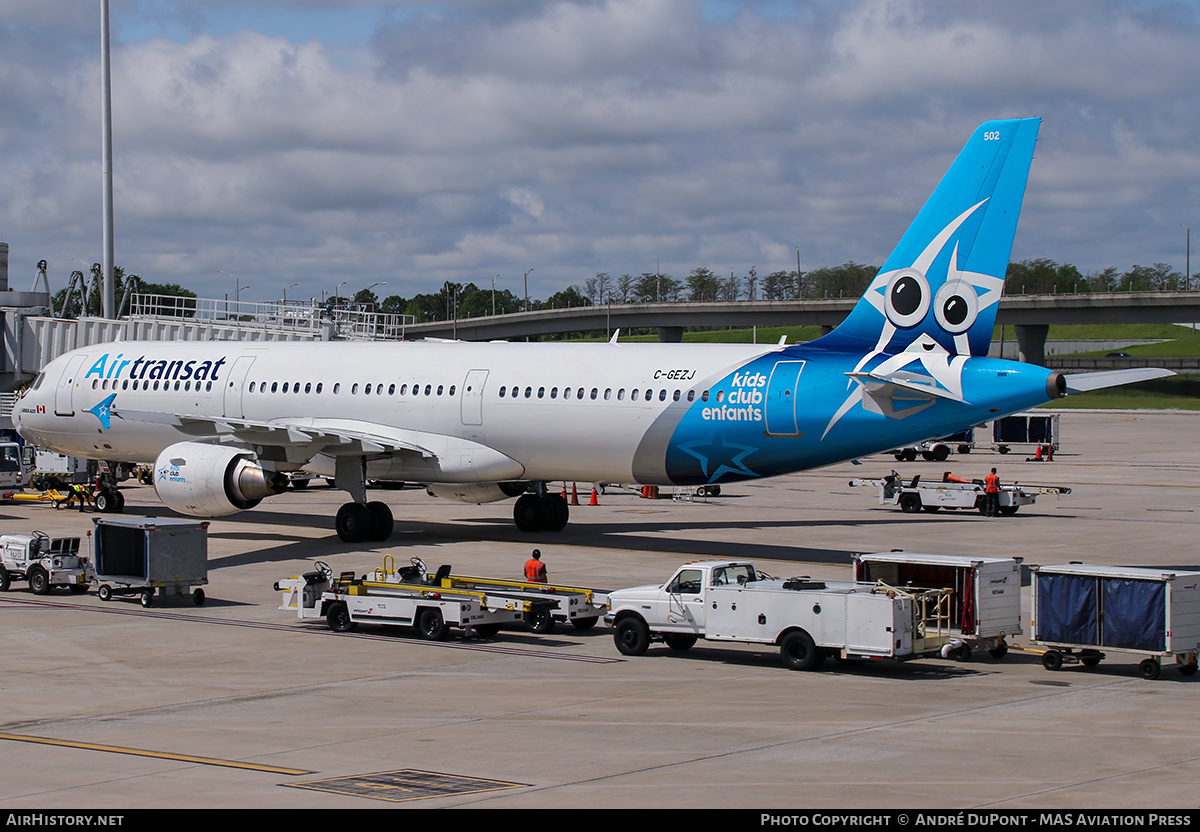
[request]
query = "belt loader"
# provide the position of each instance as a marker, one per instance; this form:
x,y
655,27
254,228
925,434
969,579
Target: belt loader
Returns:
x,y
582,607
404,597
953,493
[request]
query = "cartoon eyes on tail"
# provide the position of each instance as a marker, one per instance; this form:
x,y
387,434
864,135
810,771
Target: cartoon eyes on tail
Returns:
x,y
907,301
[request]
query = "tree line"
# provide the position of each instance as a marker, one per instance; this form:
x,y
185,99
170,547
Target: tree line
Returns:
x,y
457,301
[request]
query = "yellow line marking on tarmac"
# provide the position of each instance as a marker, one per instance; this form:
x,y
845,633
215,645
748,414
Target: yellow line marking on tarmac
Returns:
x,y
160,755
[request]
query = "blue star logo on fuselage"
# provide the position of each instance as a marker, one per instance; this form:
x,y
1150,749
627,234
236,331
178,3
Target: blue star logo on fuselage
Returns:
x,y
719,457
103,410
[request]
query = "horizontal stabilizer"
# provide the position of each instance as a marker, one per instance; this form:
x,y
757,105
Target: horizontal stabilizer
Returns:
x,y
1082,382
877,384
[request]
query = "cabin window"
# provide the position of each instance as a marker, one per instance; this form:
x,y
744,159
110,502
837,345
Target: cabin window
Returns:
x,y
336,388
621,395
391,389
541,392
675,397
319,386
720,396
366,390
308,388
502,389
607,393
691,395
428,387
439,389
452,388
554,392
662,395
594,393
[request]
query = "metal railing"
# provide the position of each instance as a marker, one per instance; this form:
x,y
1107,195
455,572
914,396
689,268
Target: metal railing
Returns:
x,y
352,322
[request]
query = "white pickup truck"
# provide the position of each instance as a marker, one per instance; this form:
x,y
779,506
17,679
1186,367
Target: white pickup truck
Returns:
x,y
727,600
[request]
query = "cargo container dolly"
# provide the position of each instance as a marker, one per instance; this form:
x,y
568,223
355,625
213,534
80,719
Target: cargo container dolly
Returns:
x,y
728,600
404,597
146,555
985,604
953,493
1082,613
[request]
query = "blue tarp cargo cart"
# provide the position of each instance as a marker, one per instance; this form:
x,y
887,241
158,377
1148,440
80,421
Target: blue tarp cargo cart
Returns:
x,y
1083,612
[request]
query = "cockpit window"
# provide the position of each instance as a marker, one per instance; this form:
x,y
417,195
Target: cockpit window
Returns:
x,y
37,382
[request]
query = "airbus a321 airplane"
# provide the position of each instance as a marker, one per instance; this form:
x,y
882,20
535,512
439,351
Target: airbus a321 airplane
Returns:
x,y
477,422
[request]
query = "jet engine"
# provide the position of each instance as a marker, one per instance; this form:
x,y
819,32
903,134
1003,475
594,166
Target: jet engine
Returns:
x,y
476,492
205,480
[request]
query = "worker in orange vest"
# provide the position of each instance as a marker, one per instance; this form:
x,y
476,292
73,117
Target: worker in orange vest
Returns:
x,y
535,570
991,494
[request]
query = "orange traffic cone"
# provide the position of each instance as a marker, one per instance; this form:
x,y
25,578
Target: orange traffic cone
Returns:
x,y
574,495
1038,456
564,494
1049,453
594,501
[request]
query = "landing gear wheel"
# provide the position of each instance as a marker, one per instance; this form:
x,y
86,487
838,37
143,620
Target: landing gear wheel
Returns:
x,y
540,620
1052,660
679,641
910,503
799,651
632,636
354,523
559,512
39,582
198,597
119,502
382,515
589,623
104,502
432,625
105,592
1149,668
338,618
530,513
147,598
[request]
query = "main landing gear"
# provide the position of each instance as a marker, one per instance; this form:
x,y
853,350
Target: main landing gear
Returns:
x,y
357,522
541,511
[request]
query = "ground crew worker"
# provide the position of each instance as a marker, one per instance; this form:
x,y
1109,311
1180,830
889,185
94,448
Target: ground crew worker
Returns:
x,y
991,494
535,570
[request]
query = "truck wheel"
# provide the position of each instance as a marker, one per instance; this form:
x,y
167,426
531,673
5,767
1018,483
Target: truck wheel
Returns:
x,y
1188,669
679,641
941,453
198,597
584,623
105,592
338,618
1090,659
800,652
1052,660
5,580
432,625
488,630
540,620
910,503
78,589
631,636
147,598
39,582
1149,668
962,654
1008,511
999,651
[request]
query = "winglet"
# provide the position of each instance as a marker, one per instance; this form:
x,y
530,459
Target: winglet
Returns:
x,y
102,410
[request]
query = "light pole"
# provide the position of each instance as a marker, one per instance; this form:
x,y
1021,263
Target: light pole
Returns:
x,y
293,286
527,290
1187,260
337,292
494,296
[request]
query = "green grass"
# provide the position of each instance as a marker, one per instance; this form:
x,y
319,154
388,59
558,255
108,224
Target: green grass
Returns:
x,y
1179,392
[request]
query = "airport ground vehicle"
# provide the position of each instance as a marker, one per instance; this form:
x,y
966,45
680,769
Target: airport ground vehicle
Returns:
x,y
1039,430
985,608
729,600
938,450
44,562
953,493
144,555
580,606
14,470
405,597
1083,612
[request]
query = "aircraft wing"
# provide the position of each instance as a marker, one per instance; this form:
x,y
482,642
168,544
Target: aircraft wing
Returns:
x,y
292,441
1082,382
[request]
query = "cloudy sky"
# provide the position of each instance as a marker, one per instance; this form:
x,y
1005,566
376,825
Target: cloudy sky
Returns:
x,y
313,142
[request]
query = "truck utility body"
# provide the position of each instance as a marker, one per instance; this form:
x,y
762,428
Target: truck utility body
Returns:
x,y
408,597
1082,612
44,562
985,605
953,493
724,600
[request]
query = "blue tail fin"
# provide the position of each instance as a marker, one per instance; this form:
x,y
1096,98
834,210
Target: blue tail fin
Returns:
x,y
944,279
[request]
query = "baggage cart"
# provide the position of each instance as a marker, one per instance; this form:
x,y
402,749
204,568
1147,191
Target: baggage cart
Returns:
x,y
985,607
144,555
1082,613
1037,429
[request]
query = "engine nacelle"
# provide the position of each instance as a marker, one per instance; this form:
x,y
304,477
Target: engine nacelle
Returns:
x,y
476,492
204,480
